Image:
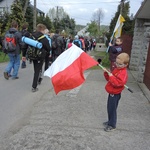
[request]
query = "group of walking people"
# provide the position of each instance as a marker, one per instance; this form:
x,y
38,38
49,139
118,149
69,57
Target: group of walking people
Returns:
x,y
50,53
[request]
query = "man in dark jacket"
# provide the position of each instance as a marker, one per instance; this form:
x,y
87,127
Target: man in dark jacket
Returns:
x,y
59,45
14,56
40,30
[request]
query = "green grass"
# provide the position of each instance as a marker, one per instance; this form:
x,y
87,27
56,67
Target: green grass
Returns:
x,y
3,57
102,55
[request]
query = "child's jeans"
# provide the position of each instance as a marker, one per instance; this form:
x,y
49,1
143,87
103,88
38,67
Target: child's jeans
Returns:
x,y
112,104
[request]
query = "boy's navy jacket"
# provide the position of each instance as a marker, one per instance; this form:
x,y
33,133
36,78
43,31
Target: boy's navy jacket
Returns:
x,y
116,82
44,41
114,51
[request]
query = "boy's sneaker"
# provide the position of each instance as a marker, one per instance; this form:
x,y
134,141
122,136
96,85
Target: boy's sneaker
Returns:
x,y
34,89
109,129
105,124
6,75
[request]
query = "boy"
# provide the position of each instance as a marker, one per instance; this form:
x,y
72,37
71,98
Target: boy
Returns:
x,y
116,81
114,51
14,55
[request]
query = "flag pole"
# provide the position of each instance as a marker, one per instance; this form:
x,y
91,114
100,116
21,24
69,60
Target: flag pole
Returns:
x,y
110,73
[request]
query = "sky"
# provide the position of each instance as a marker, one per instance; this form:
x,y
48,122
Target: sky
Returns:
x,y
82,10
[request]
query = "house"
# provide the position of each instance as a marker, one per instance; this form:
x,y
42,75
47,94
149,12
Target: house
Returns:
x,y
140,53
5,6
83,32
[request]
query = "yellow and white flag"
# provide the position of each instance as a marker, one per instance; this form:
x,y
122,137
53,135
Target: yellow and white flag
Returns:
x,y
118,27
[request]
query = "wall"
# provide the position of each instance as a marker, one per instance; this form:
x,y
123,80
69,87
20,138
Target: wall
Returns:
x,y
140,48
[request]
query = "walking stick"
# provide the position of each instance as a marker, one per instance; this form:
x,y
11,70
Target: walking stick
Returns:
x,y
99,60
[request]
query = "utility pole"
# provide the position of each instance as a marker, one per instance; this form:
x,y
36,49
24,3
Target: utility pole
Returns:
x,y
34,16
56,15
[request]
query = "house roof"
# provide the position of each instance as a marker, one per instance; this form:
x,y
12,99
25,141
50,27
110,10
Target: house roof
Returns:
x,y
143,11
8,3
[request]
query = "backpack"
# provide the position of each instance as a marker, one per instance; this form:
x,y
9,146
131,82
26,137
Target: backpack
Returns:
x,y
76,42
56,42
34,53
9,42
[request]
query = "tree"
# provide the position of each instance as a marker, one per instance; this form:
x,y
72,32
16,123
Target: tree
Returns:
x,y
92,28
27,13
128,26
46,21
56,14
16,13
97,17
61,20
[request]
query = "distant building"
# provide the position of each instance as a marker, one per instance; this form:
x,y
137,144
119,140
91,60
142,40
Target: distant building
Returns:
x,y
140,53
5,6
83,32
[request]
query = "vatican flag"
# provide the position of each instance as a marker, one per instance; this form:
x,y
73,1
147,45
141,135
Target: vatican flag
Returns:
x,y
118,27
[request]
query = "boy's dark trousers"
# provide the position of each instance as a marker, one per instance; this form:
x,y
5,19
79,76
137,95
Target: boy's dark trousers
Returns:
x,y
37,68
112,104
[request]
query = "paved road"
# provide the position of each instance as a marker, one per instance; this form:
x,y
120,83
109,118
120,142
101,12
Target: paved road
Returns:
x,y
72,120
17,100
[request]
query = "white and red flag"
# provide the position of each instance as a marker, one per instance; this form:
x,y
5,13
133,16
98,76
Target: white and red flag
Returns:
x,y
66,72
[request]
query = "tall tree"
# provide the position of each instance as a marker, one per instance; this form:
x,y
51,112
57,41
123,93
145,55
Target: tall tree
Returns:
x,y
16,13
128,26
93,29
97,18
56,14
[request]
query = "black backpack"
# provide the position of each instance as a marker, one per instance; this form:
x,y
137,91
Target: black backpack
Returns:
x,y
34,53
56,41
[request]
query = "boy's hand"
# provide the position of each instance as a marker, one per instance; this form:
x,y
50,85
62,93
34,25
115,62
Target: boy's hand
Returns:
x,y
110,44
110,74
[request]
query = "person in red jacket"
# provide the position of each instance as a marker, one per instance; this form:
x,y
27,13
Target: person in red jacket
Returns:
x,y
116,81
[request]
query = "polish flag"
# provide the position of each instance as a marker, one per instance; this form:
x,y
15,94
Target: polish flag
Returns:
x,y
66,72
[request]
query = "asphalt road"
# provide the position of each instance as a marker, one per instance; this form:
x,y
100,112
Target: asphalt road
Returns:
x,y
71,120
17,100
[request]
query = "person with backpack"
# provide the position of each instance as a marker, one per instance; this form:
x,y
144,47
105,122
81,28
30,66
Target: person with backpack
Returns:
x,y
11,45
24,46
77,42
48,56
38,61
57,45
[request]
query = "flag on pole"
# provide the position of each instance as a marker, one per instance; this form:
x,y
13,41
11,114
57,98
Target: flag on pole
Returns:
x,y
66,72
118,27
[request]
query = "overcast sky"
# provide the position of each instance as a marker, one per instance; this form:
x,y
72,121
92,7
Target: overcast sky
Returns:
x,y
82,10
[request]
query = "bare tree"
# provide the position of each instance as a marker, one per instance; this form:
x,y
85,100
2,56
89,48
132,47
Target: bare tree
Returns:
x,y
97,17
57,13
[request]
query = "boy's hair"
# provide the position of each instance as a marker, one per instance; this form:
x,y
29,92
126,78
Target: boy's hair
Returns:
x,y
14,24
125,57
40,27
120,38
25,25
